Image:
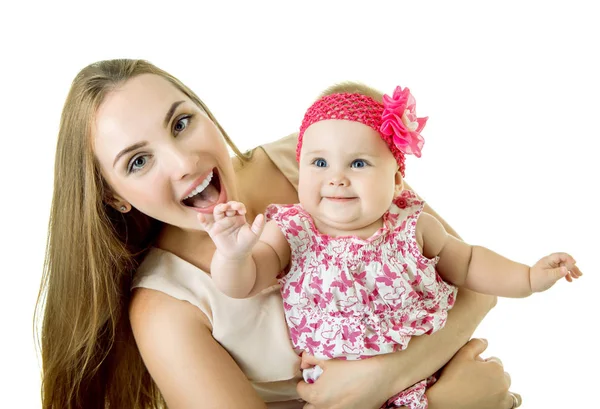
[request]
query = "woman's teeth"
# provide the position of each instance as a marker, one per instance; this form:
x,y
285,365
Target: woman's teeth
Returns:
x,y
201,186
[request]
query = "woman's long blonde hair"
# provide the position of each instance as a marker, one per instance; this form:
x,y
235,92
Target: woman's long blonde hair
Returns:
x,y
89,357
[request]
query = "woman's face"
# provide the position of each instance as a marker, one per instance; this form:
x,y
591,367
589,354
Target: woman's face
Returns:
x,y
161,153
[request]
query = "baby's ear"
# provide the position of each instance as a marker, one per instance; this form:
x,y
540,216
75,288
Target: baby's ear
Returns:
x,y
398,183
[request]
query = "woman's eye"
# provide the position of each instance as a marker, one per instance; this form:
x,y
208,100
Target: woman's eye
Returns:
x,y
137,163
320,163
181,124
358,163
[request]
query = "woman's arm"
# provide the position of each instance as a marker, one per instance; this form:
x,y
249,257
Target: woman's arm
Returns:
x,y
469,382
372,381
428,209
190,368
427,354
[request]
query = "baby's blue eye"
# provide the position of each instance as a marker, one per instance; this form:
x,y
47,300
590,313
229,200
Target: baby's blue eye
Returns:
x,y
358,163
320,163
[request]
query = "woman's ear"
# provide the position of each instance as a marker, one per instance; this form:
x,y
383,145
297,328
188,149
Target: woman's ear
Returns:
x,y
119,204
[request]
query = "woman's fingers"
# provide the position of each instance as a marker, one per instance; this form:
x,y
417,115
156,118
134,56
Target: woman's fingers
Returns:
x,y
309,360
507,377
518,399
474,347
513,400
494,359
575,272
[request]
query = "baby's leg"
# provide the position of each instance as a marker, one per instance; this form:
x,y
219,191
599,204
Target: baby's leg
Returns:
x,y
412,397
311,374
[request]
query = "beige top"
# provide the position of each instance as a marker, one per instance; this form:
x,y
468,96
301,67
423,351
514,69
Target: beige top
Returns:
x,y
252,330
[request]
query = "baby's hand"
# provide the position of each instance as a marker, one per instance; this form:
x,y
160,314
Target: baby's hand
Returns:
x,y
229,230
552,268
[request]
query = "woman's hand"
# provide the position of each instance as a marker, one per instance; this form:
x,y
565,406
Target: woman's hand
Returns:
x,y
344,384
467,382
470,382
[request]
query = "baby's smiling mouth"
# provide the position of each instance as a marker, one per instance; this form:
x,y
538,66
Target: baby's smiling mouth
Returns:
x,y
206,194
340,198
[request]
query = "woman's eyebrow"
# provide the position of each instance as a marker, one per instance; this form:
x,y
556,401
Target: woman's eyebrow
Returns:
x,y
138,145
171,111
129,149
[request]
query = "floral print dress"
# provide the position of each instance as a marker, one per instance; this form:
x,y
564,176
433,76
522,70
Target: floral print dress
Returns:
x,y
351,298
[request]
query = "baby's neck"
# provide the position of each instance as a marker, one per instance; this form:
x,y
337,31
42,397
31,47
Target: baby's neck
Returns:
x,y
341,230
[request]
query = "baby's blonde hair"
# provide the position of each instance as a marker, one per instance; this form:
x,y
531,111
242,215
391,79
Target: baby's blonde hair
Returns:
x,y
352,87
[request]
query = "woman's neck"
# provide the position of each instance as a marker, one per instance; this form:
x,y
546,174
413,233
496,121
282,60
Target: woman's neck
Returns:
x,y
259,183
193,246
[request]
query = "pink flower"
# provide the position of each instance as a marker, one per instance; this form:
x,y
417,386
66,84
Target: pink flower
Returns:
x,y
401,123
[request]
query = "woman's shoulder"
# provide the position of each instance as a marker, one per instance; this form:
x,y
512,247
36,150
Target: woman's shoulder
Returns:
x,y
282,154
158,263
148,305
270,175
164,276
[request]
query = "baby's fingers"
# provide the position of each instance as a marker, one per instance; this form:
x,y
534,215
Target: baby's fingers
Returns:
x,y
204,223
229,209
544,278
560,259
574,273
220,210
553,275
238,207
258,225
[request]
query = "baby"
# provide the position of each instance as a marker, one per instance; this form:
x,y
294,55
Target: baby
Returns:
x,y
362,268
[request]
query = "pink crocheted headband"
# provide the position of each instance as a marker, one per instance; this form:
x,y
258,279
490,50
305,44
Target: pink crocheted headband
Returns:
x,y
394,119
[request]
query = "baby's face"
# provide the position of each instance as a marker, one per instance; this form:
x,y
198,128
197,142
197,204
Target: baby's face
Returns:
x,y
348,177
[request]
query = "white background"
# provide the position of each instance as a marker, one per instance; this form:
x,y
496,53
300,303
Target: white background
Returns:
x,y
510,160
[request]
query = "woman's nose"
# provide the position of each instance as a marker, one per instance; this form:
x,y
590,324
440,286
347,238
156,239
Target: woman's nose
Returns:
x,y
183,162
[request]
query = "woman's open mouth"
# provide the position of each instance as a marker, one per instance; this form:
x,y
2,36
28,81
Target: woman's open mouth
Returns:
x,y
207,194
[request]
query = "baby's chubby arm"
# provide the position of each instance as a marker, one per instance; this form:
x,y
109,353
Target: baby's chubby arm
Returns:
x,y
248,258
480,269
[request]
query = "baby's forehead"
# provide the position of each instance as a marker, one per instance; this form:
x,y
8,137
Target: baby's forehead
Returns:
x,y
345,150
342,143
